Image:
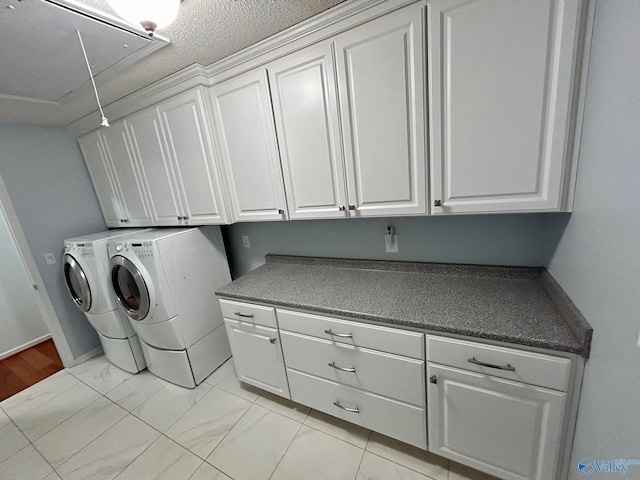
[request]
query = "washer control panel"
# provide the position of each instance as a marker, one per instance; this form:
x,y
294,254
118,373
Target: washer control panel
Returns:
x,y
82,249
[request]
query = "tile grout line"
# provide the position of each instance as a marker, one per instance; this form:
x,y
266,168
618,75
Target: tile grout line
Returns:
x,y
228,431
26,446
196,470
286,450
92,441
55,396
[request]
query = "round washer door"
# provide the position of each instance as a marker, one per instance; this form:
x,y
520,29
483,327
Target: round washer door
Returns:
x,y
77,283
130,288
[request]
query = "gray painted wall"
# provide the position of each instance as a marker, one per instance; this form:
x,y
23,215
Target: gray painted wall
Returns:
x,y
487,239
53,197
597,259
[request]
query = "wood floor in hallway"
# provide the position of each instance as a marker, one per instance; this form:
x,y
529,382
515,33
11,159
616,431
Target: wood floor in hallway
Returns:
x,y
28,367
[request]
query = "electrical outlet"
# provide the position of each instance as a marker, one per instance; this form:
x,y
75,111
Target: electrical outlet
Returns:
x,y
391,243
245,241
50,258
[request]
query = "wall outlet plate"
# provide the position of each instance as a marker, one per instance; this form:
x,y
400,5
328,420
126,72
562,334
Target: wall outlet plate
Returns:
x,y
391,243
245,241
50,258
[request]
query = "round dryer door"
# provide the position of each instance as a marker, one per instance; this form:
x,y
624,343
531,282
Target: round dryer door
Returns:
x,y
77,283
130,288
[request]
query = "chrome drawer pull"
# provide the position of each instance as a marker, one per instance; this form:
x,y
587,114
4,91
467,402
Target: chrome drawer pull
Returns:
x,y
490,365
245,315
352,410
344,335
344,369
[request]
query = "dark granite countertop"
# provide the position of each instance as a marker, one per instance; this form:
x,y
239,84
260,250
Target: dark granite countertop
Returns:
x,y
510,304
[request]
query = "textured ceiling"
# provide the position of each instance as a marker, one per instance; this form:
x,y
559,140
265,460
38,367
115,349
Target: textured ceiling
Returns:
x,y
204,32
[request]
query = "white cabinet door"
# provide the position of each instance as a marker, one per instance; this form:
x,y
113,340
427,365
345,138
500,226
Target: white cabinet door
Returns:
x,y
380,69
102,178
156,167
257,356
501,76
126,175
505,428
246,138
187,135
306,113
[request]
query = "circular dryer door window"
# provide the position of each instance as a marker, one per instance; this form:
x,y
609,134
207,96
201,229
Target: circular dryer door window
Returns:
x,y
77,283
130,288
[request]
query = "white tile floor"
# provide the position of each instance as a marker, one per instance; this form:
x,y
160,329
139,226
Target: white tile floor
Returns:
x,y
94,421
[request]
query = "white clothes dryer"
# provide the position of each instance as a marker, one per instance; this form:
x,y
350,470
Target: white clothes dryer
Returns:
x,y
86,273
165,281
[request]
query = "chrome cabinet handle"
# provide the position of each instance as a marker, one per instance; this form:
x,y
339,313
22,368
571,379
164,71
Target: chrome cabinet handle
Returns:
x,y
348,409
490,365
342,208
272,340
352,207
343,335
245,315
437,203
344,369
281,212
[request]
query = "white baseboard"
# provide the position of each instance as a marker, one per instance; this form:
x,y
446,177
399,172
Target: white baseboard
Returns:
x,y
24,346
83,358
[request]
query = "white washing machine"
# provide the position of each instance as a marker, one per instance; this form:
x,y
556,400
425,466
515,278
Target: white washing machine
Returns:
x,y
165,282
86,273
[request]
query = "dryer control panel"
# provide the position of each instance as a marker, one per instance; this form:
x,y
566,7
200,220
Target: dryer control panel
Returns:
x,y
143,250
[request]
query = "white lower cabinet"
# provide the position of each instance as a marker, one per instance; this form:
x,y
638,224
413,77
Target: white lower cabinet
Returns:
x,y
392,418
508,429
496,409
257,356
393,376
490,408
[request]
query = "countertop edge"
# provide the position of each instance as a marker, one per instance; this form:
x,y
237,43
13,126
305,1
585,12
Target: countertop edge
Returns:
x,y
572,316
391,322
568,313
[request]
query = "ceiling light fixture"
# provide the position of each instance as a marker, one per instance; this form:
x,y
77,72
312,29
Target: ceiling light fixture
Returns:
x,y
151,14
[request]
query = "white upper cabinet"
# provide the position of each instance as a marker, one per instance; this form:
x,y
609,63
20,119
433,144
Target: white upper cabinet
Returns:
x,y
380,67
172,144
247,142
116,179
156,167
187,135
305,107
501,84
102,178
126,174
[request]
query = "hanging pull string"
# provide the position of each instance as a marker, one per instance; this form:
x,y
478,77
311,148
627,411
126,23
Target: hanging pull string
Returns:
x,y
105,122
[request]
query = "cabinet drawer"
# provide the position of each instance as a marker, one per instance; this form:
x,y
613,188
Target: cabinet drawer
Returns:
x,y
389,417
389,375
248,313
528,367
391,340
